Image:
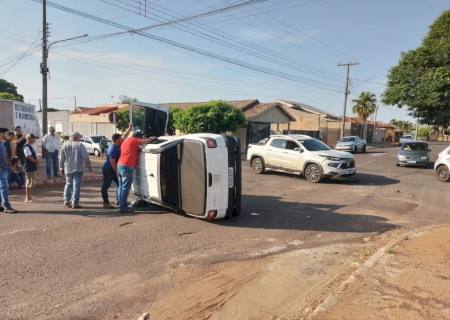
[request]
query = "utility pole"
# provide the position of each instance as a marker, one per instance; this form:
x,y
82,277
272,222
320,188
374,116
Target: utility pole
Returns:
x,y
75,101
44,68
346,91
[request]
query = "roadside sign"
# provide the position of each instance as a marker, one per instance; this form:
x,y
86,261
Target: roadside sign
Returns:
x,y
113,117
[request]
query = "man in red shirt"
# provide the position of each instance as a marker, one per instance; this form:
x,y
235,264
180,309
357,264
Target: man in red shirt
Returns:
x,y
129,155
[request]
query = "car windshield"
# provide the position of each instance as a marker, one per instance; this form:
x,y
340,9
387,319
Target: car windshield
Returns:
x,y
415,147
97,139
314,145
407,137
348,139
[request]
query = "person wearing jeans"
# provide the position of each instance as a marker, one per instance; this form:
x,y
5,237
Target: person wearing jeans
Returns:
x,y
51,145
73,161
72,189
129,155
4,174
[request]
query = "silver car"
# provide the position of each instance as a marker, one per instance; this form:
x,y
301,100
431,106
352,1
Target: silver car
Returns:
x,y
351,144
414,153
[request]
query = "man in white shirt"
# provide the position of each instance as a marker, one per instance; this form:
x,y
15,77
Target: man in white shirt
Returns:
x,y
51,144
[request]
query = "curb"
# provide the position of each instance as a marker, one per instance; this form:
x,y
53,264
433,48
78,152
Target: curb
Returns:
x,y
370,262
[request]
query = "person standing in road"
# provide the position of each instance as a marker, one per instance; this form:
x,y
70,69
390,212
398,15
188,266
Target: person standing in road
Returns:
x,y
4,173
31,166
129,154
51,145
73,161
109,169
20,144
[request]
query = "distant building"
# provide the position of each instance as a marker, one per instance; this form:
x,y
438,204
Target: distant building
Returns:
x,y
94,121
260,118
16,113
57,119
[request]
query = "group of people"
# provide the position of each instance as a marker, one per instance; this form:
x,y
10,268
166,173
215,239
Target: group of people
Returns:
x,y
19,163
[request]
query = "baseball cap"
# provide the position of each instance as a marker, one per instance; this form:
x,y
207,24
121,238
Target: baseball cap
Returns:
x,y
30,135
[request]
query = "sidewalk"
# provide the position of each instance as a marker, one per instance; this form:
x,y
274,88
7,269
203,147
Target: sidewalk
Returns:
x,y
411,281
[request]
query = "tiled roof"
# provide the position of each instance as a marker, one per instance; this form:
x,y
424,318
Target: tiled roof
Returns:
x,y
260,108
357,120
307,108
240,104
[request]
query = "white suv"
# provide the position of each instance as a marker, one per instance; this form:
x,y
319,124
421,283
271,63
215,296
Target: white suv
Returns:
x,y
300,154
442,165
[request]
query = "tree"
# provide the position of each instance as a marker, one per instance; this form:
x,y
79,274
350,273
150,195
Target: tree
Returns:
x,y
9,91
401,124
126,99
364,106
421,80
213,117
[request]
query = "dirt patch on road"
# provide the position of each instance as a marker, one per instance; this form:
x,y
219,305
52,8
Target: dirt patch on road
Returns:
x,y
279,286
412,281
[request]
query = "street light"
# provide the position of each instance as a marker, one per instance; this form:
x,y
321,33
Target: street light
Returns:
x,y
44,71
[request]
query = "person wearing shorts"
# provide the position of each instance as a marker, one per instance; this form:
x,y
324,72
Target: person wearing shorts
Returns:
x,y
31,165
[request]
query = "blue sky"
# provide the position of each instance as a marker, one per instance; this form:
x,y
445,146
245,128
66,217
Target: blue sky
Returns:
x,y
308,37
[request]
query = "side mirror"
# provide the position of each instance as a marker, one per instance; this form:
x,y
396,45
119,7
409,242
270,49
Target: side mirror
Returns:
x,y
298,149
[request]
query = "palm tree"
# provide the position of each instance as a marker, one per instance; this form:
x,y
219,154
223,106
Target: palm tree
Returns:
x,y
364,106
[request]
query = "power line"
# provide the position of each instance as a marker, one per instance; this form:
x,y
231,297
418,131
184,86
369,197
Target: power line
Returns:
x,y
29,51
184,46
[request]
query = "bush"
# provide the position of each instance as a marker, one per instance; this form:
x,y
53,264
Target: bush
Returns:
x,y
424,132
212,117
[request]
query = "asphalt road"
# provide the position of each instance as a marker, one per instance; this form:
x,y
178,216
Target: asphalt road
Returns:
x,y
92,263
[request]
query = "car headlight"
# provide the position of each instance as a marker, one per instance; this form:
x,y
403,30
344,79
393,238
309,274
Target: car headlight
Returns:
x,y
330,158
400,157
423,158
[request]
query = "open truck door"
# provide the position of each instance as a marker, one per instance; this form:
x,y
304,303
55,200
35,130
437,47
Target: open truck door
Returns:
x,y
151,119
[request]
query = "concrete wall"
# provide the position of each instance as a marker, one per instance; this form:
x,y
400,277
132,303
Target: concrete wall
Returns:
x,y
92,125
57,119
7,114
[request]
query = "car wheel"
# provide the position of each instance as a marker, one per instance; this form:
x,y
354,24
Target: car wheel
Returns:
x,y
96,153
364,148
355,149
443,173
257,165
313,173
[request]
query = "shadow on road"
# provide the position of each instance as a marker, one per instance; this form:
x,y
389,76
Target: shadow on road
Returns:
x,y
271,212
364,179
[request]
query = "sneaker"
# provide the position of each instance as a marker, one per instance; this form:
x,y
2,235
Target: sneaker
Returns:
x,y
76,206
128,210
10,210
2,209
67,204
107,206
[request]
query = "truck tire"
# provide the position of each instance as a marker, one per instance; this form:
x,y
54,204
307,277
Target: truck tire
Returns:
x,y
257,165
313,173
443,173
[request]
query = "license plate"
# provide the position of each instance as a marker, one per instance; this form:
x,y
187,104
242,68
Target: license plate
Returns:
x,y
230,177
411,161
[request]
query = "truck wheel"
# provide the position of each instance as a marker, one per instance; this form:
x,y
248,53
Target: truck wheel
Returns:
x,y
443,173
313,173
257,165
96,153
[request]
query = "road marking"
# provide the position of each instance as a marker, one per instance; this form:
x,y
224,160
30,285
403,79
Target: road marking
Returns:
x,y
16,231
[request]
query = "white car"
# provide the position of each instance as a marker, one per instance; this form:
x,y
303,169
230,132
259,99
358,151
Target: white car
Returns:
x,y
300,154
442,165
92,144
197,174
351,144
406,138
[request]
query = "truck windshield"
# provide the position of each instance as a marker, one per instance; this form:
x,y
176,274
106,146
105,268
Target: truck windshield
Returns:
x,y
314,145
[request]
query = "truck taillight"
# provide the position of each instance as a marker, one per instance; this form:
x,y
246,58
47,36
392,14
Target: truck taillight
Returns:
x,y
211,143
212,214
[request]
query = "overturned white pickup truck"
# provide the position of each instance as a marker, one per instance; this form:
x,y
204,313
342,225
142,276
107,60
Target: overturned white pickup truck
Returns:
x,y
198,174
